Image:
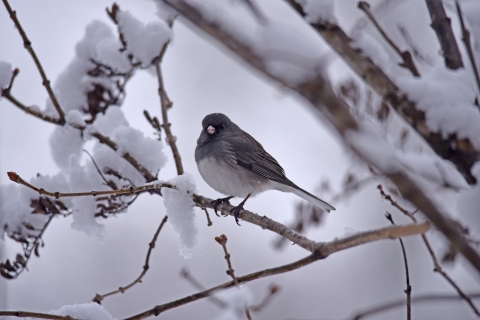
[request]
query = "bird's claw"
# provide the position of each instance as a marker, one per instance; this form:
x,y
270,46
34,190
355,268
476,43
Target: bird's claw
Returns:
x,y
236,212
216,203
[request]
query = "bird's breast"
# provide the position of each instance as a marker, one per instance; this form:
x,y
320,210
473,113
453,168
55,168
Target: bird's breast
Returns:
x,y
230,179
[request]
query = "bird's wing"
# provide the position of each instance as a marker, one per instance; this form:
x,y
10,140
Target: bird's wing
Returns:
x,y
250,155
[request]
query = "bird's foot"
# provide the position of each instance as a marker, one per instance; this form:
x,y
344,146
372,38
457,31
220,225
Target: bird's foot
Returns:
x,y
216,203
236,211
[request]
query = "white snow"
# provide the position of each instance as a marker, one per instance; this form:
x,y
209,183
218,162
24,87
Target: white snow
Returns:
x,y
74,117
371,49
90,311
5,74
65,142
144,41
318,11
181,212
447,98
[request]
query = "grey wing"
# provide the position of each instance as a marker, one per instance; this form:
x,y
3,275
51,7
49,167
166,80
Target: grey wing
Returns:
x,y
250,155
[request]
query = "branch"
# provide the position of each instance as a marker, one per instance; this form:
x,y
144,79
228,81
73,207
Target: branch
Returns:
x,y
222,240
408,290
459,151
468,44
418,299
166,104
36,315
437,267
323,250
56,194
443,29
28,45
408,62
98,298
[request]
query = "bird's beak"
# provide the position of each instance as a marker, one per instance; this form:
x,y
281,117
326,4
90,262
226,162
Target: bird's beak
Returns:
x,y
211,130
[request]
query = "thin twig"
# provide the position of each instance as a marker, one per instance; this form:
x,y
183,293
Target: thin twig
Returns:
x,y
56,194
209,222
408,290
418,299
468,44
36,315
323,250
99,297
222,240
28,45
406,56
272,290
442,26
167,104
436,264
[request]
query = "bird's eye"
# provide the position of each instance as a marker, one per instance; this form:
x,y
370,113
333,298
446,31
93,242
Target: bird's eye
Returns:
x,y
222,126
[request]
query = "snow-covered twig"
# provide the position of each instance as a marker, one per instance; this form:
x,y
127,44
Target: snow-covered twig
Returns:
x,y
443,29
321,250
28,45
99,297
468,44
406,56
436,265
459,151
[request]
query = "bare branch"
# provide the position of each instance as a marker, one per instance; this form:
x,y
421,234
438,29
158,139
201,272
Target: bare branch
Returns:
x,y
413,46
323,250
468,44
28,46
56,194
418,299
437,267
408,62
459,151
35,315
222,240
167,104
408,290
442,26
99,297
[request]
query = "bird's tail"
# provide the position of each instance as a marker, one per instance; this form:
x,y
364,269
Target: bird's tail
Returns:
x,y
306,195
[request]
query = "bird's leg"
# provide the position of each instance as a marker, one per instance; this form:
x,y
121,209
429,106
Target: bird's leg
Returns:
x,y
216,203
236,210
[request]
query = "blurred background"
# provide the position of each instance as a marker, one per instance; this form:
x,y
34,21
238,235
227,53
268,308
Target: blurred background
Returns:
x,y
202,77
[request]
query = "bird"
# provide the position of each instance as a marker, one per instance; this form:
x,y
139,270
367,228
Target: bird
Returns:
x,y
233,163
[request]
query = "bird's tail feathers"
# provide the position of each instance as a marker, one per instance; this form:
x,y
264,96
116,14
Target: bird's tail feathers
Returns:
x,y
305,195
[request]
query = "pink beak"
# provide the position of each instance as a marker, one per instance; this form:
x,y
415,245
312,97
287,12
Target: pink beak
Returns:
x,y
211,130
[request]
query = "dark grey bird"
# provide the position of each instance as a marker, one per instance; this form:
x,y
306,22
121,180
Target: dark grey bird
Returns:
x,y
232,162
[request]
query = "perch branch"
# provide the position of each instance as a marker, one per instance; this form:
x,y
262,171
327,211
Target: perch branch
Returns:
x,y
442,26
99,297
324,249
406,56
28,45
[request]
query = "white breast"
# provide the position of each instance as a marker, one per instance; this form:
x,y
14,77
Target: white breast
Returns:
x,y
231,181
